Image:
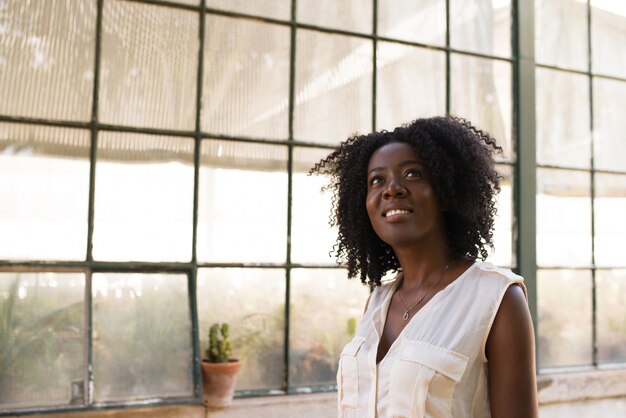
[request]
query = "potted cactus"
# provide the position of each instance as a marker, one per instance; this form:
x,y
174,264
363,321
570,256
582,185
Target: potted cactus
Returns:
x,y
219,370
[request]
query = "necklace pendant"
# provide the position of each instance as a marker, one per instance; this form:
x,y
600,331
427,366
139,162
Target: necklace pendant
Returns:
x,y
406,315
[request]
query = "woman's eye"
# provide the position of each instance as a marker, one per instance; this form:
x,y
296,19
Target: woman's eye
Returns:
x,y
375,180
413,173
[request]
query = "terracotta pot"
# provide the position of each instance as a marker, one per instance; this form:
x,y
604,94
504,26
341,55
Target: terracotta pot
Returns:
x,y
219,380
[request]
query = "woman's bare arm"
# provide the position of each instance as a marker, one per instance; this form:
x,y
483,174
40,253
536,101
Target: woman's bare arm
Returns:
x,y
511,354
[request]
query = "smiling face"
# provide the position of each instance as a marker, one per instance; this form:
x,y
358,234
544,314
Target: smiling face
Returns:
x,y
401,202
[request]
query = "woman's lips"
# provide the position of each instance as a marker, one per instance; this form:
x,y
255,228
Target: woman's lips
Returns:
x,y
396,213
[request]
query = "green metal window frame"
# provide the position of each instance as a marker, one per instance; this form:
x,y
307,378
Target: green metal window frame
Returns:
x,y
524,168
592,171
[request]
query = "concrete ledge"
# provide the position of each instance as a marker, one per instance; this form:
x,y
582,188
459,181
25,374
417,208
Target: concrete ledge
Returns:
x,y
597,408
581,385
173,411
315,405
560,394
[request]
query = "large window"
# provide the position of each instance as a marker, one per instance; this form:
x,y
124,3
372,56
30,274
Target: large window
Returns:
x,y
581,182
153,180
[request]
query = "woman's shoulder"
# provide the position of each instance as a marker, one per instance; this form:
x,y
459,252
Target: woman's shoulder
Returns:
x,y
493,273
484,279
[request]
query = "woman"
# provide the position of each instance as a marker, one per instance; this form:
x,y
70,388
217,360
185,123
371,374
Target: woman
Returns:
x,y
450,335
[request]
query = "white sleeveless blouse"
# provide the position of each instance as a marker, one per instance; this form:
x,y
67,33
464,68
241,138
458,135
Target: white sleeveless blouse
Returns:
x,y
437,367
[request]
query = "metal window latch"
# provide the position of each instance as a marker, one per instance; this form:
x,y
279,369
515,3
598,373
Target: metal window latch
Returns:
x,y
77,392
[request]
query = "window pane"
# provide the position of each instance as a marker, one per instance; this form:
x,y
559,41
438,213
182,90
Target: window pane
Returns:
x,y
609,124
279,9
608,19
41,334
563,127
563,218
482,26
349,15
149,66
44,190
312,238
503,231
333,83
481,92
138,321
252,302
564,303
610,220
242,208
246,78
325,310
409,20
47,58
405,76
611,305
144,198
561,33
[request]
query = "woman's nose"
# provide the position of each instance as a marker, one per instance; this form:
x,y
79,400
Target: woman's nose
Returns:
x,y
394,189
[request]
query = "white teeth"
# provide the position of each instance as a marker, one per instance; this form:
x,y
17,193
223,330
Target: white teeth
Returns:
x,y
396,212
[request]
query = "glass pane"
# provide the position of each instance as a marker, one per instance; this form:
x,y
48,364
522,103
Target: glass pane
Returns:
x,y
278,9
563,218
609,124
42,361
563,127
144,198
352,15
333,87
564,304
252,302
481,93
608,37
503,231
405,76
325,310
191,2
312,238
44,190
149,66
410,20
47,58
482,26
242,208
561,33
138,321
610,220
611,305
246,78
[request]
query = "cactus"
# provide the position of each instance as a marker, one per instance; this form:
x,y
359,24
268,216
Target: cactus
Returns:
x,y
219,350
351,327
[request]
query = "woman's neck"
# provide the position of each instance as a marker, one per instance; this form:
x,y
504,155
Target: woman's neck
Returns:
x,y
423,263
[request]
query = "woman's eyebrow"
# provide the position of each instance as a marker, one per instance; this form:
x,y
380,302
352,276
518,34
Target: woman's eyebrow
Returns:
x,y
409,162
402,164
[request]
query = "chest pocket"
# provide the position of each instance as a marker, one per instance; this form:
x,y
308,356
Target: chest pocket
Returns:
x,y
351,366
423,380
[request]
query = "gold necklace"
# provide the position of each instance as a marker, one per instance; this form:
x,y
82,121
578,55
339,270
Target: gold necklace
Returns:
x,y
407,310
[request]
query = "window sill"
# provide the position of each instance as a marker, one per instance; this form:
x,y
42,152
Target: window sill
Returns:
x,y
313,405
553,388
579,385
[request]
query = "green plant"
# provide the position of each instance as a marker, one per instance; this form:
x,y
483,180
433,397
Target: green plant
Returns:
x,y
351,327
37,332
219,350
120,322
